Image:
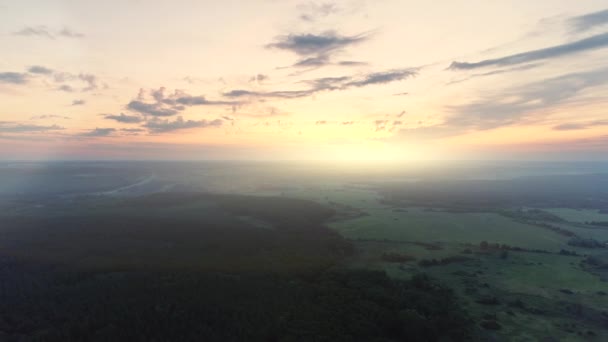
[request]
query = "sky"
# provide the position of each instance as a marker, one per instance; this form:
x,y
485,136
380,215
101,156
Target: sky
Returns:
x,y
384,80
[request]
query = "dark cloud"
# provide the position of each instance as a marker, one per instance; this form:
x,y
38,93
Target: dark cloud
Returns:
x,y
312,11
312,44
124,118
78,102
592,43
580,125
285,94
37,69
12,127
154,109
351,63
100,132
401,114
169,105
589,21
13,77
321,122
163,126
329,84
383,77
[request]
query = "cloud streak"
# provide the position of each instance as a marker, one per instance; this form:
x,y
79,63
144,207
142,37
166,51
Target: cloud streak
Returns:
x,y
588,21
13,78
164,126
122,118
592,43
11,127
330,84
45,32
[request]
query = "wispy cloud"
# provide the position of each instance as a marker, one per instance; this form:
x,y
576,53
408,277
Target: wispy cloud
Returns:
x,y
123,118
12,127
313,11
50,116
162,104
570,126
312,44
46,32
588,21
100,132
37,69
13,77
330,84
512,106
163,126
315,50
78,102
592,43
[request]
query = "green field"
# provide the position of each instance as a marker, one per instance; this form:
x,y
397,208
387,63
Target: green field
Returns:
x,y
578,215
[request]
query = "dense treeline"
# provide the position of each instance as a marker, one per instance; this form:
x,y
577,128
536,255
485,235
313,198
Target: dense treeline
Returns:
x,y
179,306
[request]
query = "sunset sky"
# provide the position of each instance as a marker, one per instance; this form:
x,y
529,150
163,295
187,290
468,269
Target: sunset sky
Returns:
x,y
313,80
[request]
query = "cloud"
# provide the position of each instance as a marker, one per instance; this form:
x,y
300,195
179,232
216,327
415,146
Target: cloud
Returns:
x,y
154,109
124,118
347,123
85,81
13,78
312,11
37,69
132,131
90,80
259,78
78,102
69,33
580,125
100,132
35,31
285,94
321,122
163,126
313,62
589,21
313,44
12,127
169,105
45,32
329,84
592,43
383,77
497,72
51,116
525,103
352,63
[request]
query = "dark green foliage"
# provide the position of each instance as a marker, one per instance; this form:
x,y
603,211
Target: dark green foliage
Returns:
x,y
586,243
177,306
397,257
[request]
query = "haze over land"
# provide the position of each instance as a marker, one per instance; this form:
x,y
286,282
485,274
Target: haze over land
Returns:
x,y
303,170
313,80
